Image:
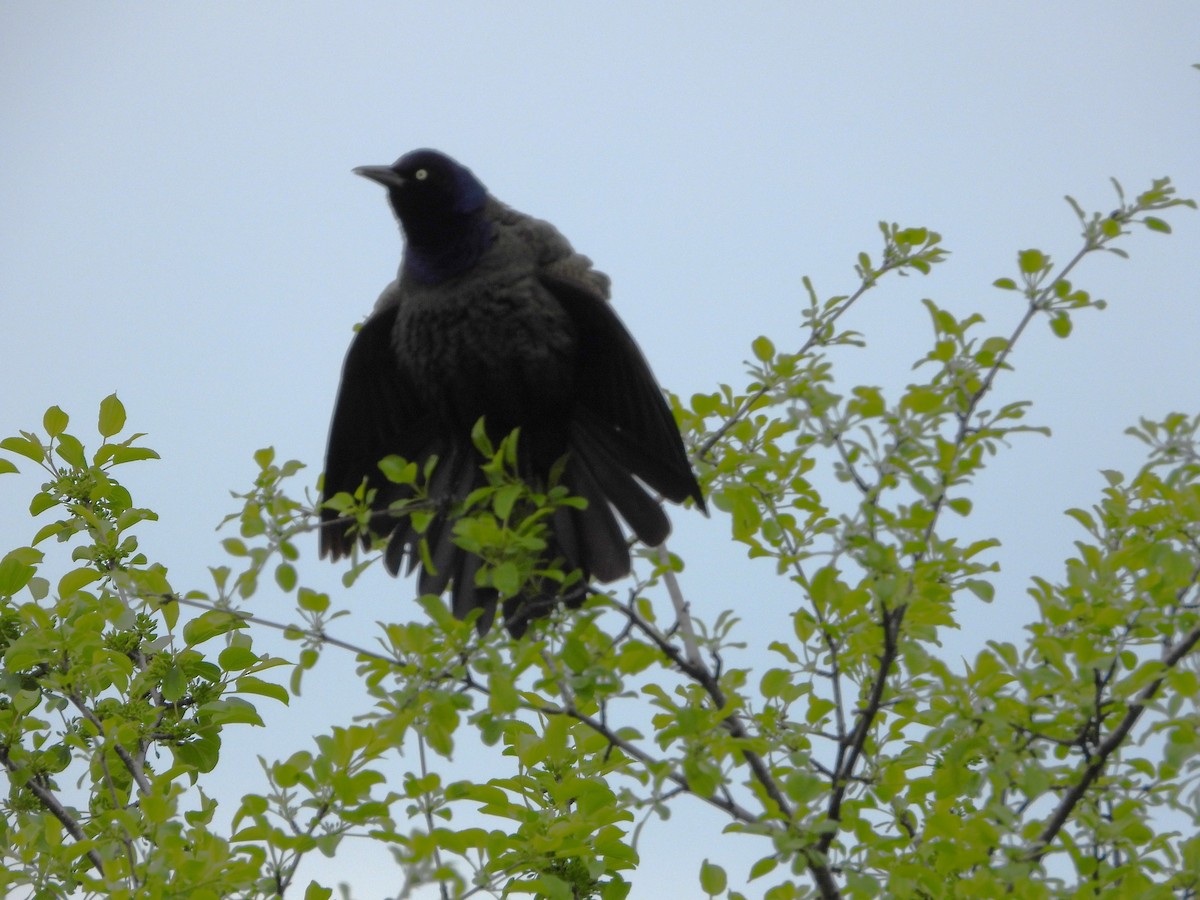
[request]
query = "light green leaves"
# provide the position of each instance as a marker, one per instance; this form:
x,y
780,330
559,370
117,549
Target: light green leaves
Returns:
x,y
55,421
17,568
712,879
112,416
25,446
1032,262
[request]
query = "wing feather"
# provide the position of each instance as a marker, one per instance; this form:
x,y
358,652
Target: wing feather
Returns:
x,y
376,414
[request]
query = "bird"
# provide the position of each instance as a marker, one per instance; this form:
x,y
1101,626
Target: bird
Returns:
x,y
495,318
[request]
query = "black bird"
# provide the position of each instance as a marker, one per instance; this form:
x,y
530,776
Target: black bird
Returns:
x,y
494,315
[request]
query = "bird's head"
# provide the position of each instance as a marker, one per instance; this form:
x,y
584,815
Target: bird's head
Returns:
x,y
426,187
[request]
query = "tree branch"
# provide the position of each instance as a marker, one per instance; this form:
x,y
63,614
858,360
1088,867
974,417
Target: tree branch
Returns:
x,y
249,618
52,806
682,615
815,337
1110,745
134,769
852,750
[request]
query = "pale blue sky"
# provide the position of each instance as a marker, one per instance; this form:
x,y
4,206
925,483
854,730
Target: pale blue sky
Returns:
x,y
180,225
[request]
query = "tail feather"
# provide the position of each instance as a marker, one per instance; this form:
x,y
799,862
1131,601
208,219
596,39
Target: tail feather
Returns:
x,y
663,475
604,467
600,544
454,476
466,595
639,510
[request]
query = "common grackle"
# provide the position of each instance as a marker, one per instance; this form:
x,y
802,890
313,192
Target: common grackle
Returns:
x,y
494,315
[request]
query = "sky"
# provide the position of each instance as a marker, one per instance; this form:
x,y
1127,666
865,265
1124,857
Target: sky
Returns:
x,y
181,226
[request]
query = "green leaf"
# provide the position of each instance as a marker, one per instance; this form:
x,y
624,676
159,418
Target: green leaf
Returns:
x,y
764,866
209,625
201,752
248,684
235,658
27,448
741,503
502,693
398,470
285,576
55,421
233,711
315,891
505,498
961,505
981,589
76,580
506,578
705,404
763,349
480,439
235,546
112,416
1032,261
575,654
1006,284
1155,224
7,465
869,402
252,805
71,450
817,708
1061,325
131,454
311,601
287,773
712,878
994,345
922,399
174,684
15,572
774,681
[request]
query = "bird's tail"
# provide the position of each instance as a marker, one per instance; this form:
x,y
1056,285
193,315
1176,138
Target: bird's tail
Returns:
x,y
604,469
573,539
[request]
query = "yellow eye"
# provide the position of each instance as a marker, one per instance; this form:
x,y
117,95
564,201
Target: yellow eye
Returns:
x,y
421,174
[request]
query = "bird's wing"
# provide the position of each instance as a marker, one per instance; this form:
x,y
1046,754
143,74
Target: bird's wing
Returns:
x,y
620,406
376,414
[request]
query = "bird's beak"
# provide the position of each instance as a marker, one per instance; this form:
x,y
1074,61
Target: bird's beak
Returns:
x,y
385,175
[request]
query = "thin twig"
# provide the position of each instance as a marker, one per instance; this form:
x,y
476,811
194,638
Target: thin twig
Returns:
x,y
814,338
279,626
682,615
437,853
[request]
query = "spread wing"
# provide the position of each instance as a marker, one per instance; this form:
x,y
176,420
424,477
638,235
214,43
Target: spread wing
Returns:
x,y
376,414
622,417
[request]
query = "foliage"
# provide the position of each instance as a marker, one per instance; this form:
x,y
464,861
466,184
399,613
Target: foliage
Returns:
x,y
865,763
